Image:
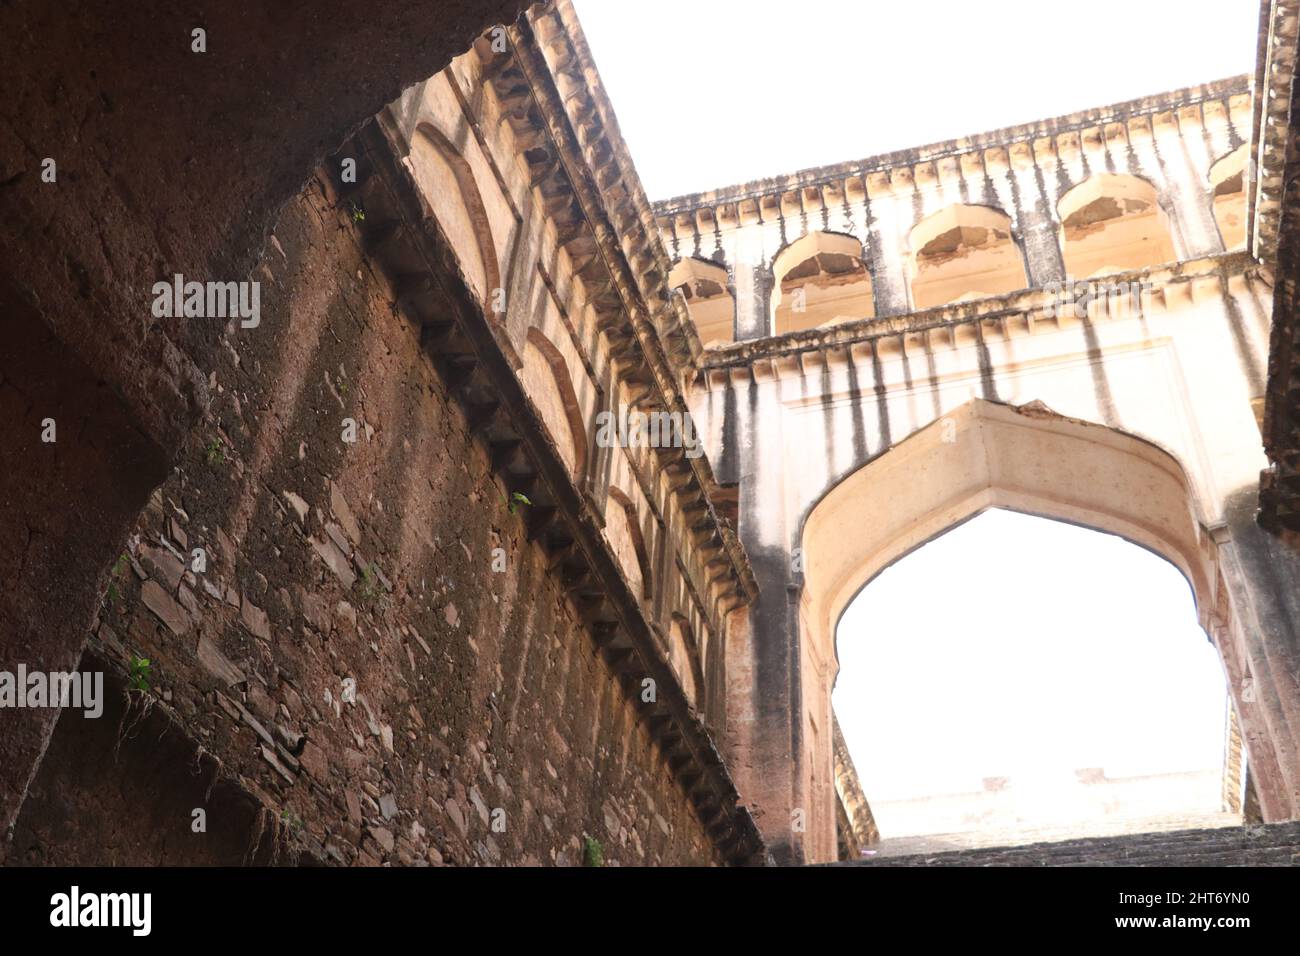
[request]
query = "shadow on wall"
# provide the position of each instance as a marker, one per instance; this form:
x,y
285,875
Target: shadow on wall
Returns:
x,y
108,794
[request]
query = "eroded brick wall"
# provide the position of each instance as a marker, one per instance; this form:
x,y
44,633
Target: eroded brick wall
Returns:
x,y
476,690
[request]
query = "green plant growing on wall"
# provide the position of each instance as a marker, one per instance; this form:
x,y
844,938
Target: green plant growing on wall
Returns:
x,y
593,854
138,673
358,214
370,590
215,452
291,820
516,499
114,595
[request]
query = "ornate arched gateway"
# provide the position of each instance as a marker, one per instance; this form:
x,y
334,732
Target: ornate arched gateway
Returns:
x,y
845,462
986,455
851,448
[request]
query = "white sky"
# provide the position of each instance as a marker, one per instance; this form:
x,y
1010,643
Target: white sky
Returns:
x,y
1021,647
715,92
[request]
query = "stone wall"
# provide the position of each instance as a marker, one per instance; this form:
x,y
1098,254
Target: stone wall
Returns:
x,y
1275,231
165,160
124,789
479,698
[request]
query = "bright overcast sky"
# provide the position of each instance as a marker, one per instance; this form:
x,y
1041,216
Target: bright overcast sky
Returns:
x,y
714,92
1020,647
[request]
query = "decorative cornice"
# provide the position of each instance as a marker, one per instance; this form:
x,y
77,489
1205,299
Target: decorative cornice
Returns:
x,y
1000,139
578,162
1272,133
1014,315
1274,219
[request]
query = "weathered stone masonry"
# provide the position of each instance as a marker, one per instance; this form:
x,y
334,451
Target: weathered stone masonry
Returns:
x,y
474,690
1276,215
167,163
366,276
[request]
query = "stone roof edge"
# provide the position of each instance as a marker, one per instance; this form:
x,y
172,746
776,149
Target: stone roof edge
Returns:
x,y
1270,136
651,284
1274,223
818,175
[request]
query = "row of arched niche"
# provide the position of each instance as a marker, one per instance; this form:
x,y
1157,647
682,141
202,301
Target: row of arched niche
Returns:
x,y
1108,223
449,184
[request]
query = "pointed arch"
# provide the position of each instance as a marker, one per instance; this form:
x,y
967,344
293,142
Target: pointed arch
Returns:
x,y
447,184
1228,191
981,456
704,285
550,386
963,252
684,655
989,455
820,279
1113,222
624,526
1016,587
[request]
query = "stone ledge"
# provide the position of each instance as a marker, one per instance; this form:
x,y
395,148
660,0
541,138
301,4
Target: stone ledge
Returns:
x,y
1275,844
1010,316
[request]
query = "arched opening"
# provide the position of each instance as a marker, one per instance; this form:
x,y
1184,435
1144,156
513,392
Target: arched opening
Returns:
x,y
1228,183
820,280
1062,688
547,380
982,456
1113,223
713,309
447,183
685,659
623,526
963,252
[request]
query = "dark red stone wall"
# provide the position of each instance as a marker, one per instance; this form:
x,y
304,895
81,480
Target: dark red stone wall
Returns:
x,y
167,161
477,690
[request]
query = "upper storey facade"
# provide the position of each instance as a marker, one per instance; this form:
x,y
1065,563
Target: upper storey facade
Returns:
x,y
1115,189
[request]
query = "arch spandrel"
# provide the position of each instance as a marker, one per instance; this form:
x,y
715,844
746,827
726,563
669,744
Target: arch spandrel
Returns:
x,y
546,376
